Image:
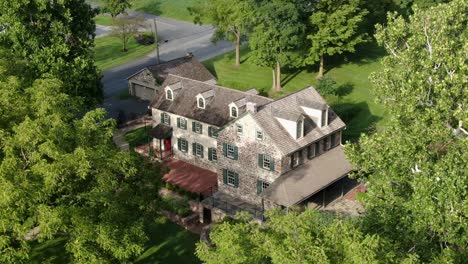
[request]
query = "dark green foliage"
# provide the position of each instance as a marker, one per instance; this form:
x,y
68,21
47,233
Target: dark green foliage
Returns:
x,y
178,206
116,7
327,86
55,38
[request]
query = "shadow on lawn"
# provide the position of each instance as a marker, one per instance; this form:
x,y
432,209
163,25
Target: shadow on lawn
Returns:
x,y
357,117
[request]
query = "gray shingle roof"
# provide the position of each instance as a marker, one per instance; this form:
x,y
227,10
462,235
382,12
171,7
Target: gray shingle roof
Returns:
x,y
187,66
308,179
216,111
289,106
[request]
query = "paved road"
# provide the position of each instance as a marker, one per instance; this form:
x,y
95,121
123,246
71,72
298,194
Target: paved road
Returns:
x,y
177,39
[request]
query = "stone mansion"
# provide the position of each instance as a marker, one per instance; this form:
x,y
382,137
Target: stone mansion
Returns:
x,y
267,153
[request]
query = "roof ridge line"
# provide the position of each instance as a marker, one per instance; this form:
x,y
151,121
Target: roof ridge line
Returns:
x,y
222,87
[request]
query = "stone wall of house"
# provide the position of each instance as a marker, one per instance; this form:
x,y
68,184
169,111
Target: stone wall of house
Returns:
x,y
247,163
188,134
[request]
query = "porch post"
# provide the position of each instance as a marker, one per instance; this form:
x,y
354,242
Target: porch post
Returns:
x,y
160,149
323,198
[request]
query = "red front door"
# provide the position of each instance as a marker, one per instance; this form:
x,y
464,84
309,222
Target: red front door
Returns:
x,y
167,144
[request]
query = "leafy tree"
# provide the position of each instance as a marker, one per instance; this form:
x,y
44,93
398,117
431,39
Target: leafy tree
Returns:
x,y
116,7
125,27
231,18
334,30
307,237
62,176
406,6
276,36
416,167
56,38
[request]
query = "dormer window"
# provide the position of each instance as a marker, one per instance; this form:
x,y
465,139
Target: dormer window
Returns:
x,y
201,103
234,111
300,129
169,95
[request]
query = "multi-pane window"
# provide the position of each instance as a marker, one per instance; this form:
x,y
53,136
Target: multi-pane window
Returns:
x,y
212,132
230,153
214,154
169,95
311,151
261,186
233,111
201,103
326,143
165,119
197,127
300,129
295,157
231,178
198,150
259,135
182,144
266,162
317,148
239,129
182,123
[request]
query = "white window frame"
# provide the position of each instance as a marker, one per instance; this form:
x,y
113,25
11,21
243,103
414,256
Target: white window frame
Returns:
x,y
295,159
201,99
230,176
183,145
170,98
259,135
266,162
214,154
230,151
236,113
198,150
183,123
166,119
239,129
198,127
300,128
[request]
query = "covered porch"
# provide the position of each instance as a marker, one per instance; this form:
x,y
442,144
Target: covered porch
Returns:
x,y
161,148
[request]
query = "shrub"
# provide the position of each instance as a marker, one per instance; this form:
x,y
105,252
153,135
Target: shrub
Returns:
x,y
327,86
179,207
144,39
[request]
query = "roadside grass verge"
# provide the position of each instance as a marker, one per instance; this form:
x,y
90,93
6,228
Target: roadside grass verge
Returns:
x,y
356,105
108,51
105,20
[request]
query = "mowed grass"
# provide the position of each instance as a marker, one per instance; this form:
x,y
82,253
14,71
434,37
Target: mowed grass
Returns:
x,y
176,9
356,106
108,51
105,20
137,137
168,243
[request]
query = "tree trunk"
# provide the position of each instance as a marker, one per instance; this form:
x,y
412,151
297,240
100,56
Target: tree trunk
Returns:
x,y
273,86
320,74
278,76
238,39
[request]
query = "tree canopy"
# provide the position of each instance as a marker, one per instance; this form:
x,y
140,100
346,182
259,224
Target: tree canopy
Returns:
x,y
334,29
277,34
116,7
56,38
232,19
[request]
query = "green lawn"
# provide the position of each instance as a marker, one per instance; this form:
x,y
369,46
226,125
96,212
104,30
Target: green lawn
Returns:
x,y
104,20
176,9
108,51
356,106
137,137
169,243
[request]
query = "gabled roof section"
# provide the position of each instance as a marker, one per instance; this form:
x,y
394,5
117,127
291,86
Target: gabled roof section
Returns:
x,y
289,106
216,111
187,66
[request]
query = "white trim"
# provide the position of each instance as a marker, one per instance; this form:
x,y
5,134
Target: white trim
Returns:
x,y
198,101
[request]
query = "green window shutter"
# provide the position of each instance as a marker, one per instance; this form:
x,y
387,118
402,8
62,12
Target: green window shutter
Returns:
x,y
317,148
300,155
333,139
224,176
272,164
169,120
201,129
210,153
202,152
292,160
260,160
236,180
309,152
178,122
193,126
259,186
225,149
178,144
210,131
194,148
162,117
236,153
